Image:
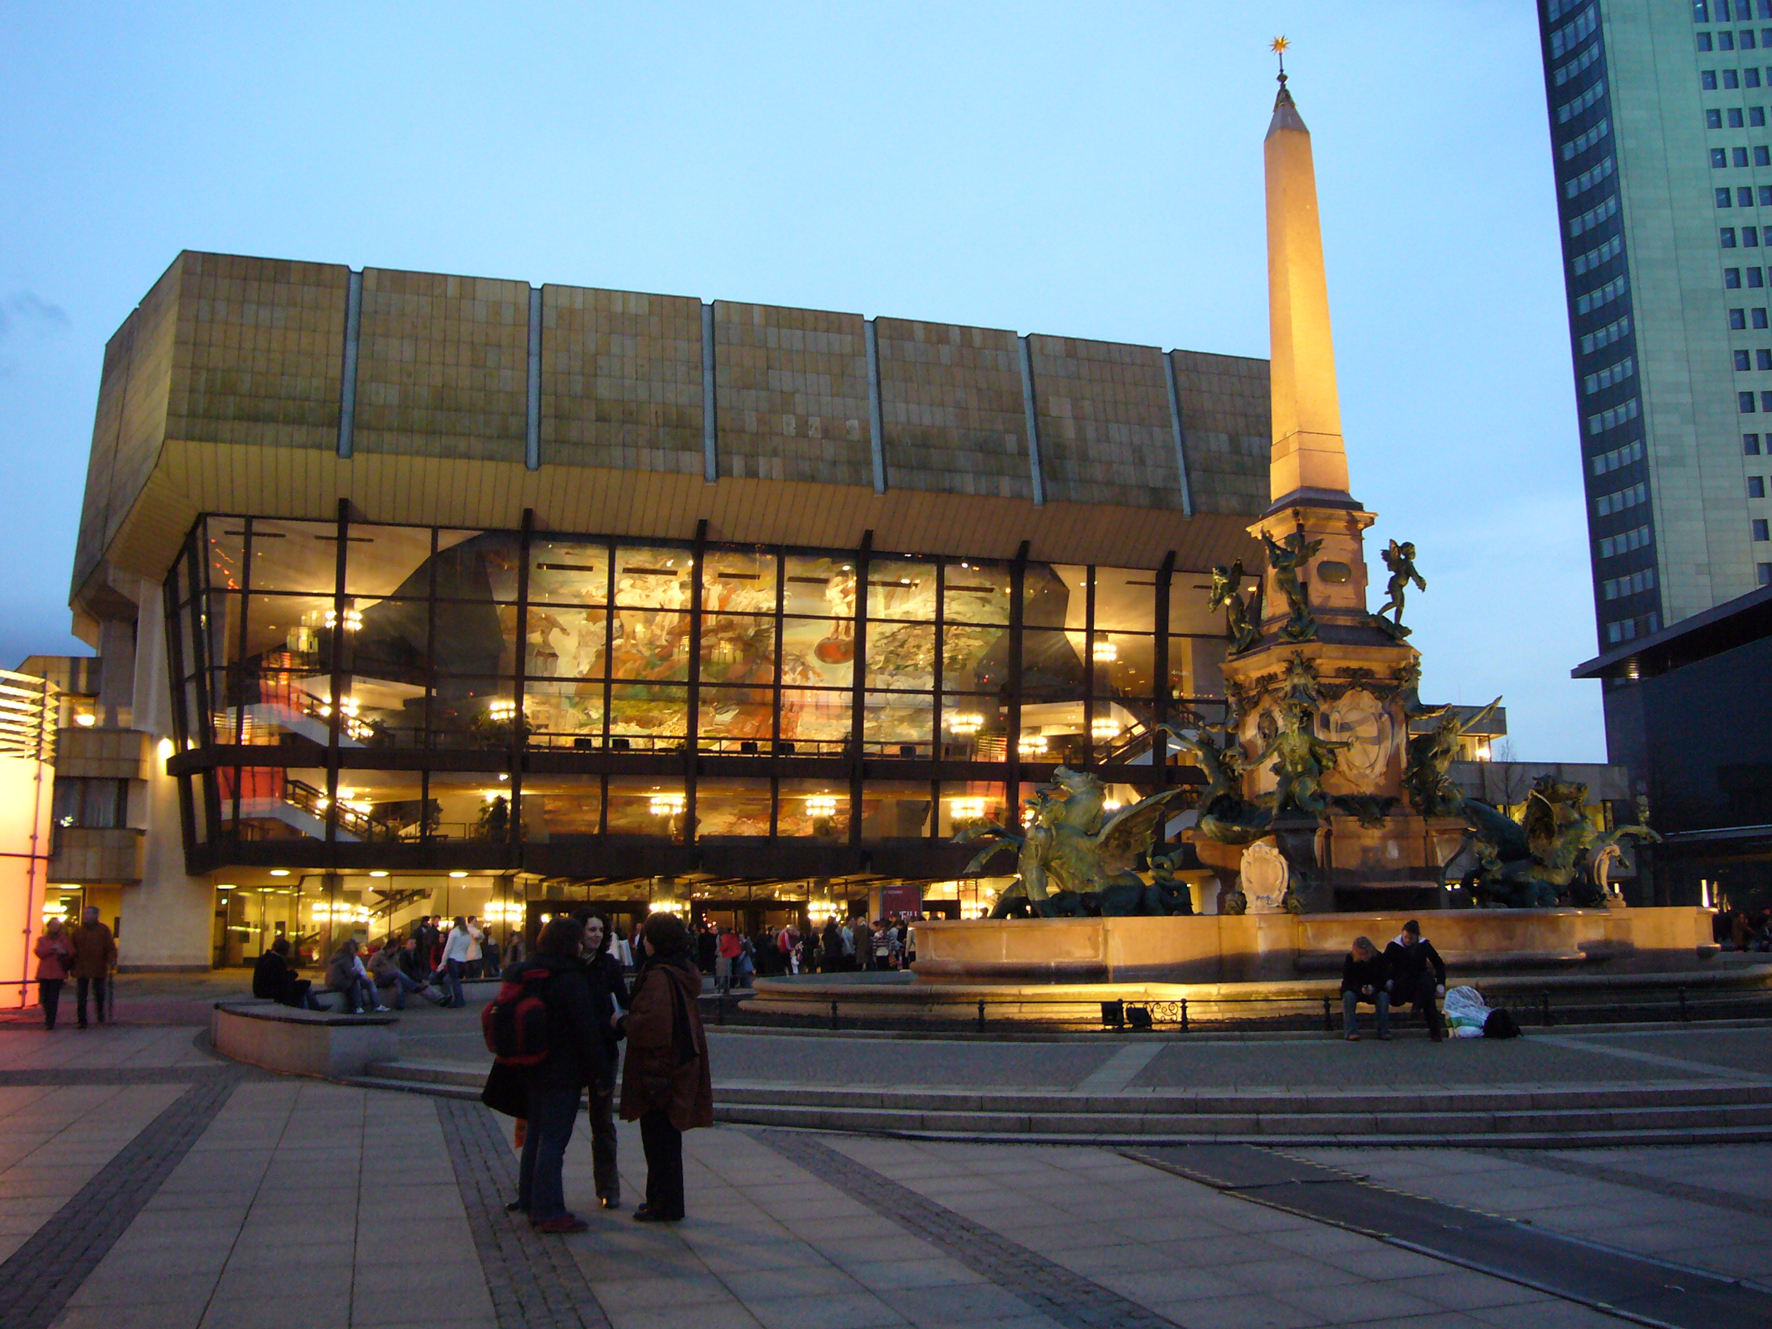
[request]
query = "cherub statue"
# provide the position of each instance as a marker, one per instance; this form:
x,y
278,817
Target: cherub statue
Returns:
x,y
1242,617
1284,560
1430,755
1400,559
1070,859
1300,682
1302,760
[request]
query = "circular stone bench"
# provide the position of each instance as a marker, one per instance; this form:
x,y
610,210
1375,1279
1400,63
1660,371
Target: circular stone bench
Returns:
x,y
297,1042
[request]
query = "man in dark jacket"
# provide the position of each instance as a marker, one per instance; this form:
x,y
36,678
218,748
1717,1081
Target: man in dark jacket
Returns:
x,y
95,955
575,1058
1364,977
1410,960
274,978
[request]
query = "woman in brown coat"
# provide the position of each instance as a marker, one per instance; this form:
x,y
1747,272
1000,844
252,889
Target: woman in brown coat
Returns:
x,y
55,953
665,1083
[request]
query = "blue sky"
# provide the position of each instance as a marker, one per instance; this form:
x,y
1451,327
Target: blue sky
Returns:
x,y
1086,170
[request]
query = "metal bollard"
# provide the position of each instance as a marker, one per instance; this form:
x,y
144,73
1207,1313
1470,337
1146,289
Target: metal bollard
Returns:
x,y
833,1015
1545,1010
1328,1017
981,1015
1184,1015
1684,1013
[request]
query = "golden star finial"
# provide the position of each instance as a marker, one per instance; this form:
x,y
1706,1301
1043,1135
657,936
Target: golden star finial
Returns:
x,y
1278,47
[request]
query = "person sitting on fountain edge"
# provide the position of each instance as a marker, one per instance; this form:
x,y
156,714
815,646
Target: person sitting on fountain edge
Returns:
x,y
1409,957
1364,977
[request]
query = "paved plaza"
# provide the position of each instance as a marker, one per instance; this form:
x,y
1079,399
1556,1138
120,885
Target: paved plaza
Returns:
x,y
145,1182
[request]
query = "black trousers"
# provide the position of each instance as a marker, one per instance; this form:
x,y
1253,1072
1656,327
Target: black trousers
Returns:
x,y
1426,1000
604,1172
100,988
49,993
663,1143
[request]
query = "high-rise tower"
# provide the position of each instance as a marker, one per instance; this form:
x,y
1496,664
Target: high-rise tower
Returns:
x,y
1663,157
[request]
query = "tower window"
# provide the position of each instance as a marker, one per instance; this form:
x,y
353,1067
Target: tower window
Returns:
x,y
1756,486
1758,317
1741,360
1708,80
1725,199
1704,42
1765,359
1744,402
1735,119
1750,237
1713,119
1750,445
1731,279
1719,158
1756,116
1750,78
1737,319
1726,236
1732,81
1741,156
1764,572
1761,529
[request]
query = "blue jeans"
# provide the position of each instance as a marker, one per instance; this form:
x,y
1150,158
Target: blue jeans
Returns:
x,y
452,972
1350,1022
401,986
541,1192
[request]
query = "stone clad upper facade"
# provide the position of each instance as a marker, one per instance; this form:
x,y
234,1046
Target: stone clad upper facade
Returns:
x,y
279,387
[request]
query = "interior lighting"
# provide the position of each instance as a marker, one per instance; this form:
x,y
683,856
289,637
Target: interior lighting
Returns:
x,y
821,805
966,722
1482,752
378,873
279,872
503,775
353,619
1031,745
667,805
458,874
966,809
165,749
1111,805
502,710
86,719
1104,731
1105,652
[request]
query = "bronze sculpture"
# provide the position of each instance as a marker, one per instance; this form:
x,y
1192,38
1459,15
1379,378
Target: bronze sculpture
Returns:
x,y
1284,560
1071,860
1242,617
1430,756
1302,759
1400,559
1552,855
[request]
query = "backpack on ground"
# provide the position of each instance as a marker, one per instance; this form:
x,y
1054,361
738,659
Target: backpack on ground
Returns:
x,y
515,1022
1500,1025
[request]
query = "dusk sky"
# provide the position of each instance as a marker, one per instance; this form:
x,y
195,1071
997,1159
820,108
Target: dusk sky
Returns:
x,y
1083,170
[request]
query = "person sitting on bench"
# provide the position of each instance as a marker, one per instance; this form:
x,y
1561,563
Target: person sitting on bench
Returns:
x,y
1364,977
1418,975
274,978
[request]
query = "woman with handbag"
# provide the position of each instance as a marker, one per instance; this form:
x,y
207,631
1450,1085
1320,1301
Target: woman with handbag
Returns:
x,y
666,1084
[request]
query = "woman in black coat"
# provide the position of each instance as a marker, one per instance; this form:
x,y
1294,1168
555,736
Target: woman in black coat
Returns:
x,y
609,994
575,1058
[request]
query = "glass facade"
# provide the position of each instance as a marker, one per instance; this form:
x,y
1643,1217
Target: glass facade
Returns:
x,y
353,694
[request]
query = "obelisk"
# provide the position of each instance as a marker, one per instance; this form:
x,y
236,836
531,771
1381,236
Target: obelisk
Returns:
x,y
1322,666
1308,457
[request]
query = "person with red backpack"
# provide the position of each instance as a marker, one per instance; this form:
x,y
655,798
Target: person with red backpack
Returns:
x,y
544,1023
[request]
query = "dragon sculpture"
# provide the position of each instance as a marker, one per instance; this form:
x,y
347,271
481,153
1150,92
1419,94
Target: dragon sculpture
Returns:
x,y
1072,856
1551,855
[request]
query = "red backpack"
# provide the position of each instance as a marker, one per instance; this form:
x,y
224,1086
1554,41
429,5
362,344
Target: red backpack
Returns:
x,y
515,1022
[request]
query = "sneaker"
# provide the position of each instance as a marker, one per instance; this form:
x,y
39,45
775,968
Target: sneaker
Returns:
x,y
610,1201
647,1214
514,1207
563,1224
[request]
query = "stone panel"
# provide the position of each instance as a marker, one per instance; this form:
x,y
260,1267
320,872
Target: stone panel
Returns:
x,y
1226,430
792,394
131,423
621,380
443,366
1105,431
951,406
260,352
